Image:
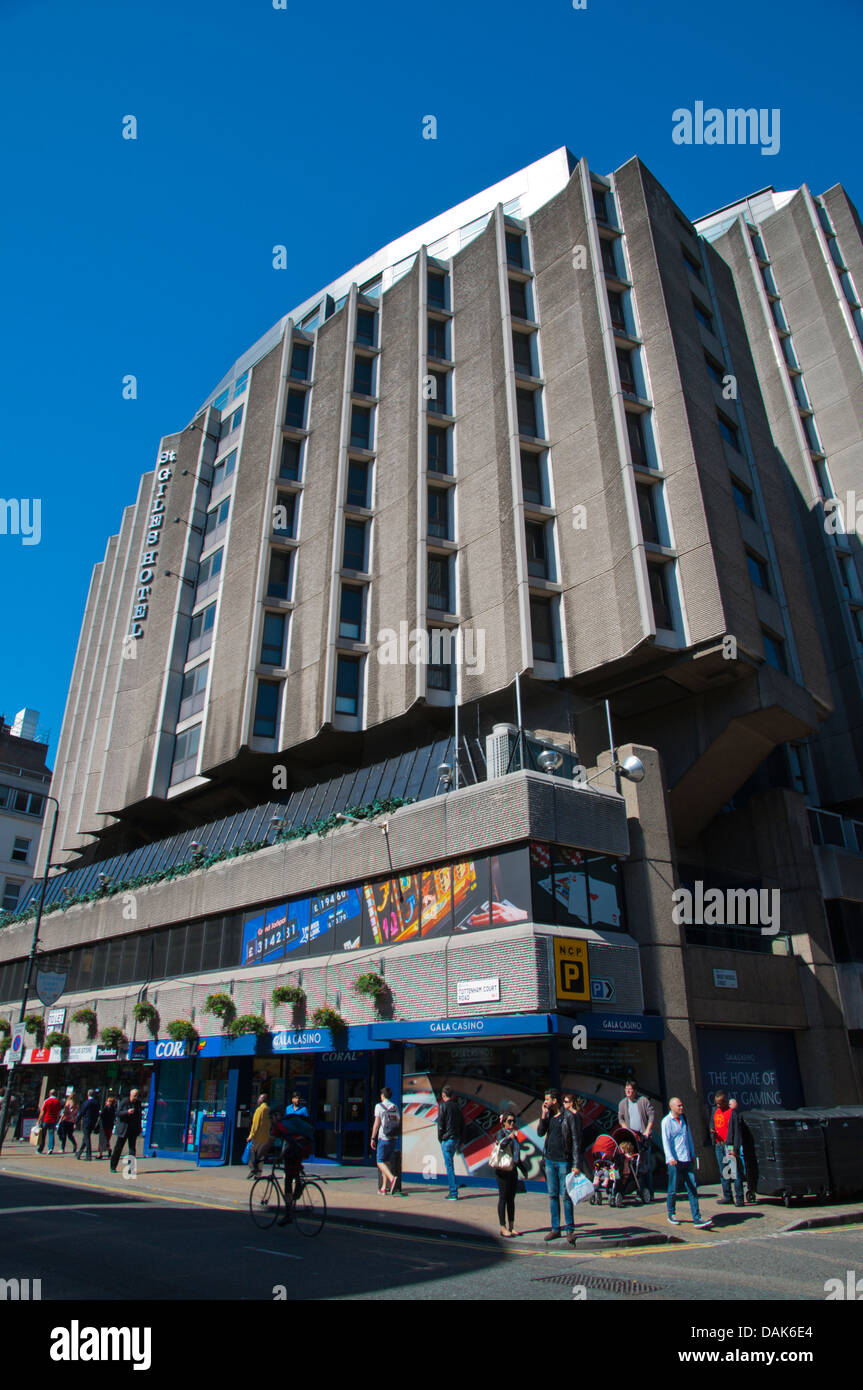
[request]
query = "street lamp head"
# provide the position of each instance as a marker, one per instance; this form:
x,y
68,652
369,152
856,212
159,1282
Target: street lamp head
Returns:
x,y
632,769
444,773
550,760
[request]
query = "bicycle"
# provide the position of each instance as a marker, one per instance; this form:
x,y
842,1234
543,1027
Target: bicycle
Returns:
x,y
301,1197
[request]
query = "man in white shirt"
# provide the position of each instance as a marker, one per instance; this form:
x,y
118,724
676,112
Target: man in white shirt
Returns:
x,y
680,1156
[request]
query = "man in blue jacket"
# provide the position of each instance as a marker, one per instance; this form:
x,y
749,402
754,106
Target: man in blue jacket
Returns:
x,y
89,1118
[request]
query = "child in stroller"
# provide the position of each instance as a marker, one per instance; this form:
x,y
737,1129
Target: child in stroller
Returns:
x,y
616,1159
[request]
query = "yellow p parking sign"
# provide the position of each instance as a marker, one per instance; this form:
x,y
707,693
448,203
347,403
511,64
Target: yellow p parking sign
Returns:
x,y
571,977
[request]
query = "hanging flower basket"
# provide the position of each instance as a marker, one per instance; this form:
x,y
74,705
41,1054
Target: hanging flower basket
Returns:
x,y
221,1006
248,1023
329,1018
181,1030
147,1013
114,1037
87,1018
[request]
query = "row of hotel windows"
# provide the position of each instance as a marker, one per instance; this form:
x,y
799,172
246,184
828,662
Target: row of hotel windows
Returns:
x,y
845,280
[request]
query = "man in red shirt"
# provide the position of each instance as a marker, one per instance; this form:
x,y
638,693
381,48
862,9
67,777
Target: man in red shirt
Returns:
x,y
726,1138
48,1117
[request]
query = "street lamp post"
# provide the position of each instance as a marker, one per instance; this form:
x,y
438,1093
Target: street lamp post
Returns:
x,y
31,962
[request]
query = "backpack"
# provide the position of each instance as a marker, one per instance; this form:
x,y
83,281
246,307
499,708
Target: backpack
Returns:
x,y
390,1121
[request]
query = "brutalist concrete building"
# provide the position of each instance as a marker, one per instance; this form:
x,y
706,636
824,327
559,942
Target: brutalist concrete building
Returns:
x,y
499,509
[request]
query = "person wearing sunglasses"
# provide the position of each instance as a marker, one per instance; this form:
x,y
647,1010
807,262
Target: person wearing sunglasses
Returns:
x,y
509,1155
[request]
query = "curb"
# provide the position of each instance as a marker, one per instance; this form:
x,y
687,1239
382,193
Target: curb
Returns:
x,y
814,1223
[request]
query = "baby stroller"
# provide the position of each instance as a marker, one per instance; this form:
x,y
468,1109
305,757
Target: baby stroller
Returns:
x,y
615,1169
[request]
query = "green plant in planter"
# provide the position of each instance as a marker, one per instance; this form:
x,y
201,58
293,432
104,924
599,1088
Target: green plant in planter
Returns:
x,y
87,1017
113,1037
147,1013
5,1025
288,994
221,1006
329,1018
248,1023
370,984
181,1030
35,1026
57,1040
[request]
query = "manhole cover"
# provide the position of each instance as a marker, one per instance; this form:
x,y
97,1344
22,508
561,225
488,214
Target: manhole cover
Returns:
x,y
605,1282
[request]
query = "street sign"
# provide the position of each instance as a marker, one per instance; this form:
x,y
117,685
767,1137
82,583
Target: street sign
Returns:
x,y
50,985
17,1045
571,977
602,990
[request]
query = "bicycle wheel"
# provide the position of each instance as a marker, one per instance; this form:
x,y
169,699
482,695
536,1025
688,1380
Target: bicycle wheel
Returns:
x,y
265,1200
310,1209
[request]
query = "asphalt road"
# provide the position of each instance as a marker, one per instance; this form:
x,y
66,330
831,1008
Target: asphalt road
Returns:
x,y
98,1246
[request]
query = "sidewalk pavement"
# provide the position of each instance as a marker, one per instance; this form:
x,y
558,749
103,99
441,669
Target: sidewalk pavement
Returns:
x,y
422,1208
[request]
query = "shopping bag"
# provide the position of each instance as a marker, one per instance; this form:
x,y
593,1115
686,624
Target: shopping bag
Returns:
x,y
247,1152
578,1188
34,1135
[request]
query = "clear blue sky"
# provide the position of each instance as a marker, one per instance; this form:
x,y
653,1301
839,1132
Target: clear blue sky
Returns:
x,y
260,126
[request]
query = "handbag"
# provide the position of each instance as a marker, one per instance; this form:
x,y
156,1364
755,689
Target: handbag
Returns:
x,y
501,1160
35,1134
578,1188
247,1152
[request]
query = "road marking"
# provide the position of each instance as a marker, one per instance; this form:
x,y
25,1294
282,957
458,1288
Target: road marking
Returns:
x,y
59,1206
282,1254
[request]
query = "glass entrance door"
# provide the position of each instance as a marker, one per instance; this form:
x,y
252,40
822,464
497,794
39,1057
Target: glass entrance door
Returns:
x,y
341,1119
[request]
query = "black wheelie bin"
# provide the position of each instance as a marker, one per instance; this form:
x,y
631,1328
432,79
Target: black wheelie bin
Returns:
x,y
785,1153
843,1141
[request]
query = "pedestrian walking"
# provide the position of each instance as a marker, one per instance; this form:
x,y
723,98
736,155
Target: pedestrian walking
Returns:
x,y
66,1125
680,1156
638,1114
505,1162
726,1136
89,1118
127,1127
562,1154
259,1135
297,1107
450,1133
384,1133
107,1116
49,1117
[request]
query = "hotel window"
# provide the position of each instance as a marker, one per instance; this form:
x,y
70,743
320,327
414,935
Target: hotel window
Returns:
x,y
692,264
617,310
295,410
438,449
825,485
743,499
704,316
758,571
537,542
439,672
637,448
533,478
437,339
273,639
714,370
285,514
216,517
352,612
438,401
222,400
20,850
300,358
542,628
519,302
364,376
523,354
354,550
600,204
209,575
836,254
758,247
27,803
528,417
438,513
729,432
800,392
437,290
201,632
185,760
240,385
857,619
789,354
11,895
439,583
658,577
626,368
366,327
267,709
778,317
358,484
223,469
193,693
280,574
514,251
361,427
291,461
811,434
609,258
230,423
647,513
347,685
774,651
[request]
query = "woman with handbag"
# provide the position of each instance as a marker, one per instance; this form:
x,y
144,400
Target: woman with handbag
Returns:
x,y
504,1162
